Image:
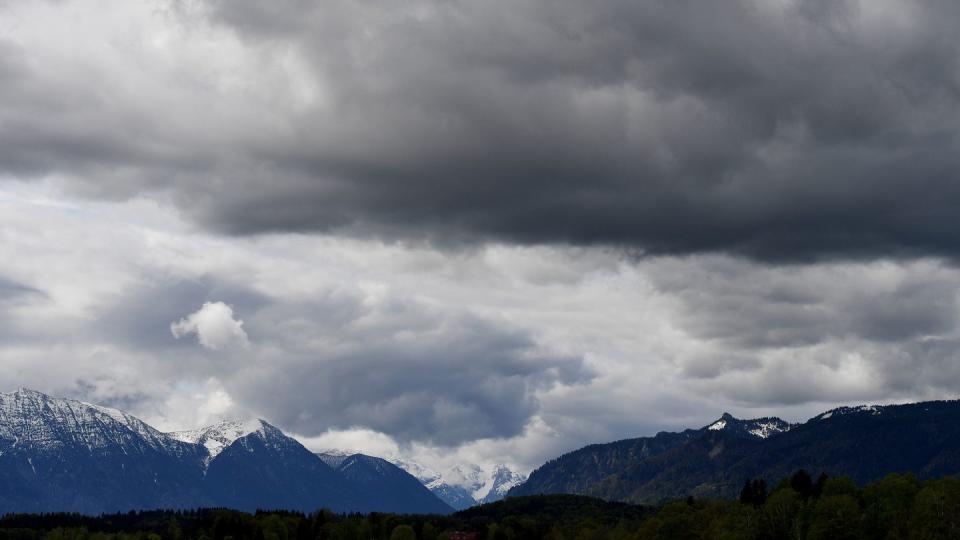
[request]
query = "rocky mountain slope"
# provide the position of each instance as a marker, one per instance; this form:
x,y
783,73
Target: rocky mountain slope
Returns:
x,y
66,455
463,486
385,485
864,443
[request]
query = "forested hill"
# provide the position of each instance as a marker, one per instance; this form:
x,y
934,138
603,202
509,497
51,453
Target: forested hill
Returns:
x,y
798,508
864,443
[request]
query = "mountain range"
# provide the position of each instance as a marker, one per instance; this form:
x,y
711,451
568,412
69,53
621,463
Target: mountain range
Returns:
x,y
66,455
864,443
465,485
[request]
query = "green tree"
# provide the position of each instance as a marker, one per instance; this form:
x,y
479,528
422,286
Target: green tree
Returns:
x,y
936,511
888,505
754,492
802,483
679,521
778,516
840,486
403,532
835,517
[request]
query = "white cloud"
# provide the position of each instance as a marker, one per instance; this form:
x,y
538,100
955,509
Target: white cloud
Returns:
x,y
360,440
381,326
214,326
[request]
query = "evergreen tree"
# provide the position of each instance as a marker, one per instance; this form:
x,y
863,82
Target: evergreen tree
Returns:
x,y
802,483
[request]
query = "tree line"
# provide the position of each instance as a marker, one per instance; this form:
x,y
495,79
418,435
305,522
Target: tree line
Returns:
x,y
797,508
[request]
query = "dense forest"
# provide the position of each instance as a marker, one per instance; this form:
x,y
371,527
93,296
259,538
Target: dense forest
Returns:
x,y
898,506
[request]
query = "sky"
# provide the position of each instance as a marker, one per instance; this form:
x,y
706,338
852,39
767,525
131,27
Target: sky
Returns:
x,y
479,232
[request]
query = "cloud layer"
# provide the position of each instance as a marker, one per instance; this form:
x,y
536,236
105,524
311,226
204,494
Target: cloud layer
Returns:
x,y
791,130
485,231
500,354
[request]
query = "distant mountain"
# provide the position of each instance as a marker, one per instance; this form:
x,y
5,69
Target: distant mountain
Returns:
x,y
66,455
385,485
463,486
758,428
501,482
865,443
61,454
264,468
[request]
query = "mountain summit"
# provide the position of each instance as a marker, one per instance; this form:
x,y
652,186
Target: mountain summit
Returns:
x,y
67,455
386,485
30,418
465,485
760,428
864,443
218,437
63,455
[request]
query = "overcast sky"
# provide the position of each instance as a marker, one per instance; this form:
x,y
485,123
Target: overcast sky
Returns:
x,y
479,231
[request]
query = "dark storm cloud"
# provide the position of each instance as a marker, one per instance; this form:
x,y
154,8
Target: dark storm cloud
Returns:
x,y
751,307
336,360
825,333
399,369
781,131
12,296
12,291
140,317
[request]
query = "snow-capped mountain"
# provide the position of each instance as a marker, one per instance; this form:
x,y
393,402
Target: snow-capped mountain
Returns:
x,y
31,418
842,411
463,486
760,428
385,484
502,480
264,468
334,457
864,443
218,437
62,454
66,455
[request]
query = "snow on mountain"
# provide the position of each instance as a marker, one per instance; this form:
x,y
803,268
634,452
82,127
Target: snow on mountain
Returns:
x,y
28,417
335,458
424,474
219,436
342,459
760,428
502,480
718,425
69,456
766,429
384,484
465,485
872,410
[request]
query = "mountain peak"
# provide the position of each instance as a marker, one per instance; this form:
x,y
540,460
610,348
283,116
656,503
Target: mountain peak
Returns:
x,y
872,410
24,393
864,442
32,417
219,436
115,462
758,427
726,419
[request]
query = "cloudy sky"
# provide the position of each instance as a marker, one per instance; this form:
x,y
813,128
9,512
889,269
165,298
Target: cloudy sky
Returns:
x,y
479,231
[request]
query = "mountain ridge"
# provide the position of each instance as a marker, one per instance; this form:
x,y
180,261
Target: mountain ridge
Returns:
x,y
465,485
377,479
863,442
65,455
